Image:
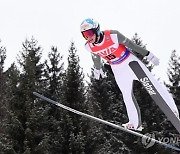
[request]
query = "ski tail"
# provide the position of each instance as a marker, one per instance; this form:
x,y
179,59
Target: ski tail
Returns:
x,y
105,122
141,75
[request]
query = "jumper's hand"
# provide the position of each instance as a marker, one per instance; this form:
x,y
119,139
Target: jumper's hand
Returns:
x,y
151,57
97,73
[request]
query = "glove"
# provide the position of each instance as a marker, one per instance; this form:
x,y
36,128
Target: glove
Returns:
x,y
151,57
97,73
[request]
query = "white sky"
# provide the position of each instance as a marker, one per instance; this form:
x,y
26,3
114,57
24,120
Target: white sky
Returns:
x,y
56,22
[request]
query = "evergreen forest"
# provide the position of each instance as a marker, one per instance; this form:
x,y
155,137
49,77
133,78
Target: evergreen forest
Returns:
x,y
30,125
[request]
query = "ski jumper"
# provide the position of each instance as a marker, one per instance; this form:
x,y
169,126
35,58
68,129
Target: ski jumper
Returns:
x,y
118,50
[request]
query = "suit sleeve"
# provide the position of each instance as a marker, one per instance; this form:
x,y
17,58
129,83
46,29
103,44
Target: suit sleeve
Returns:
x,y
97,61
96,58
130,44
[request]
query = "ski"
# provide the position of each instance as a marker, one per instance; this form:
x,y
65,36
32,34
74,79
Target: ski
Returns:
x,y
141,75
144,137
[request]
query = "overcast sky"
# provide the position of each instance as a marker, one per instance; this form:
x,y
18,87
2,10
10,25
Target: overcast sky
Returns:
x,y
56,22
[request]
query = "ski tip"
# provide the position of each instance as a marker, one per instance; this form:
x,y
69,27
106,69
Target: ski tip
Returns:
x,y
173,147
34,93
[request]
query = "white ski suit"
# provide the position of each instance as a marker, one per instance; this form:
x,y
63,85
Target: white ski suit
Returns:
x,y
118,51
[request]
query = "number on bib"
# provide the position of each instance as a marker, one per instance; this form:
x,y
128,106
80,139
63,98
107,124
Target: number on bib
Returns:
x,y
110,56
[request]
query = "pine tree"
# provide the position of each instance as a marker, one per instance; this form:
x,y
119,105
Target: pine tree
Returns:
x,y
174,77
54,72
73,126
3,86
30,81
16,130
96,132
54,75
174,83
6,117
3,89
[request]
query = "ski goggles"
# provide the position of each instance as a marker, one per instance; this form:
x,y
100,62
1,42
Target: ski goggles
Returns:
x,y
88,33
